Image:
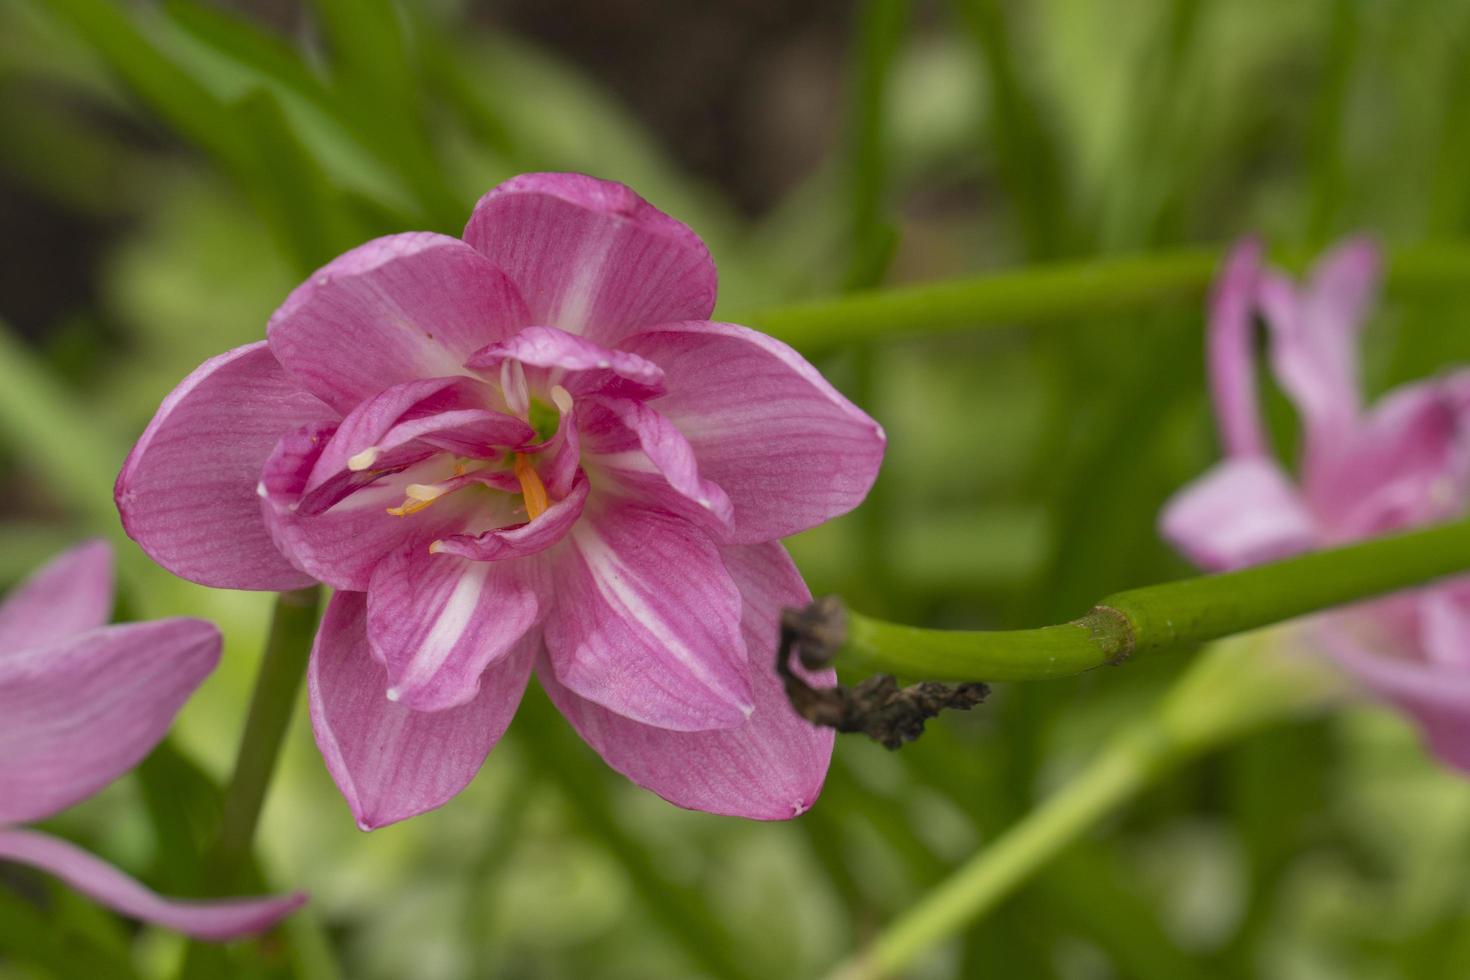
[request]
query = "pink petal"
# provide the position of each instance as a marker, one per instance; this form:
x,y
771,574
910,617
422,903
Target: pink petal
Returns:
x,y
70,594
342,544
765,426
1314,339
389,761
437,621
396,309
576,363
1231,351
1243,511
214,920
410,422
520,540
647,621
591,256
78,712
1444,621
1407,463
770,768
187,491
1436,697
650,460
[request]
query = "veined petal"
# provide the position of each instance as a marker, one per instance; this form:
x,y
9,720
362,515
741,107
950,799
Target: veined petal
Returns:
x,y
1231,352
592,257
770,768
217,920
1241,512
342,544
396,309
389,761
520,540
784,445
575,363
437,621
647,621
1406,463
78,712
70,594
187,491
650,459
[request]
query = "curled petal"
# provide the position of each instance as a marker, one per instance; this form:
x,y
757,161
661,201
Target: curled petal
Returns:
x,y
389,761
405,424
1243,511
437,621
396,309
770,768
77,713
592,257
784,445
647,621
1232,353
187,491
342,544
71,594
575,363
216,920
520,540
651,460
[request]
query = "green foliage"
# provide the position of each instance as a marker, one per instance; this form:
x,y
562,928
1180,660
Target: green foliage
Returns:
x,y
1002,254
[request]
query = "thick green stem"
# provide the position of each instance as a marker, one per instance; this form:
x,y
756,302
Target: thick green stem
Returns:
x,y
1164,617
1059,291
281,671
1240,685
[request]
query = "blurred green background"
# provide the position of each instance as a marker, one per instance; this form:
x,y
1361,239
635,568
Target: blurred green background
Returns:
x,y
168,171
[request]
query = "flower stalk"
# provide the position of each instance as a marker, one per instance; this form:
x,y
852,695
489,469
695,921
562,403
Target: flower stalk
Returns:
x,y
1160,618
282,669
1237,687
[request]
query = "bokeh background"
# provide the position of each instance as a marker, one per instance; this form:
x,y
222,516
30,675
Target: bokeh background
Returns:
x,y
168,171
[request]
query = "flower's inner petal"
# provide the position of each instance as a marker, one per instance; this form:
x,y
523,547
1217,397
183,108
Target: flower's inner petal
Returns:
x,y
1243,511
645,457
534,533
551,357
341,544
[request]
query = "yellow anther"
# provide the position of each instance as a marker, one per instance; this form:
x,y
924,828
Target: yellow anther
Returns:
x,y
532,489
363,460
409,506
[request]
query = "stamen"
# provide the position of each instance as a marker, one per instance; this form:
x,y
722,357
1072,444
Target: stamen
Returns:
x,y
363,460
532,489
561,398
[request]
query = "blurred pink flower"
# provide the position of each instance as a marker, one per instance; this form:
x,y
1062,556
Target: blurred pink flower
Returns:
x,y
1405,461
81,703
526,449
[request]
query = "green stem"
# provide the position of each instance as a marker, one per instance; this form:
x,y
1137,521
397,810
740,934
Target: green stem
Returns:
x,y
1059,291
1164,617
282,669
1239,686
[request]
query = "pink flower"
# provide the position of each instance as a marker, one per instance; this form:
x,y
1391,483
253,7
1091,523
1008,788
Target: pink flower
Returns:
x,y
1403,462
81,703
529,449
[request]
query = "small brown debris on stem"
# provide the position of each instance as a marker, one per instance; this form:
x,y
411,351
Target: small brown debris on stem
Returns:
x,y
877,707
